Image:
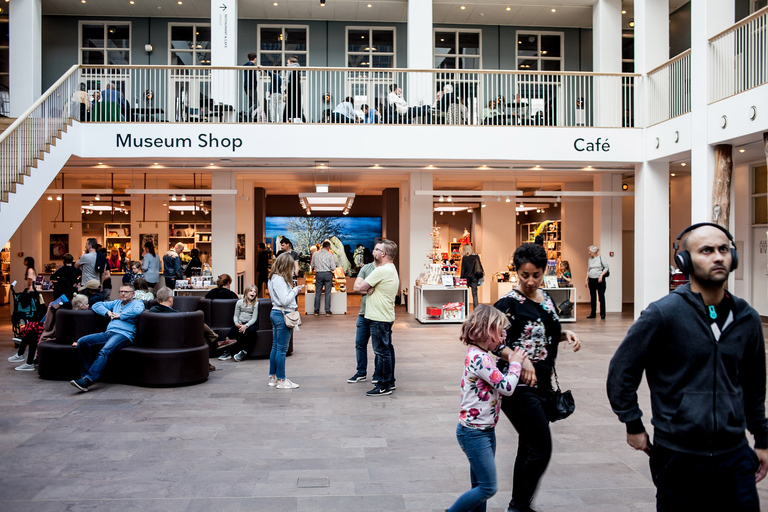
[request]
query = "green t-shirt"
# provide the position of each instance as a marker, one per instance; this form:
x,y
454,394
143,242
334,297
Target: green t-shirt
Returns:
x,y
380,306
365,271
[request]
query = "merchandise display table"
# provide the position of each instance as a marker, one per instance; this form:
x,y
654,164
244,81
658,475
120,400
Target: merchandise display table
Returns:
x,y
559,295
435,296
338,303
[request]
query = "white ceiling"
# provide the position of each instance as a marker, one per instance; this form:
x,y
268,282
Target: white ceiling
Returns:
x,y
569,13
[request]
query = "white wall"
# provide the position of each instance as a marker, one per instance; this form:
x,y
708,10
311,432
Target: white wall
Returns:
x,y
577,233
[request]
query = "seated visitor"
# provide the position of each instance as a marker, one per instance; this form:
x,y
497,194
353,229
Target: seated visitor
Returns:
x,y
165,305
344,112
370,115
396,101
92,290
222,290
142,289
134,271
123,315
244,330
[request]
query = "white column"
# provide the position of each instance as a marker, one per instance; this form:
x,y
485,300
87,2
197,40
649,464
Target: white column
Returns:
x,y
606,56
651,34
417,213
26,55
651,233
708,17
607,236
224,50
420,51
223,225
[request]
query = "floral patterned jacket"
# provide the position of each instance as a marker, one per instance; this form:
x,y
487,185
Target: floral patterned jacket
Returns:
x,y
482,387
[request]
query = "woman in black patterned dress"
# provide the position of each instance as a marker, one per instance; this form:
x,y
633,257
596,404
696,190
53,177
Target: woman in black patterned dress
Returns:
x,y
535,327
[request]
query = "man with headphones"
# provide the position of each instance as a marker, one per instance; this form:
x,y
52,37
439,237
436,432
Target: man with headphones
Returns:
x,y
703,354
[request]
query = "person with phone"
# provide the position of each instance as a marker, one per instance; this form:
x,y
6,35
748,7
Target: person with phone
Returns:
x,y
283,301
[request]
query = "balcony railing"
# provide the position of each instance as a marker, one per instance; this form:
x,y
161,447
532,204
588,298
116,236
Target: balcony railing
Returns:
x,y
739,57
669,89
313,95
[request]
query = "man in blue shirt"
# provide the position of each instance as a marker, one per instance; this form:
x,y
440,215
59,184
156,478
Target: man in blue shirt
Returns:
x,y
112,94
123,315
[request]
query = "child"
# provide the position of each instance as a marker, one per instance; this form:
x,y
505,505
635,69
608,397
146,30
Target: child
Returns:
x,y
565,268
481,390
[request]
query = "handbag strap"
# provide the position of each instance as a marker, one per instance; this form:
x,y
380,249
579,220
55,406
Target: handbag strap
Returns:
x,y
557,383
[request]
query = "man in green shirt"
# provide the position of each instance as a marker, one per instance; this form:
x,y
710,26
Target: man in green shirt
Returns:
x,y
382,285
363,331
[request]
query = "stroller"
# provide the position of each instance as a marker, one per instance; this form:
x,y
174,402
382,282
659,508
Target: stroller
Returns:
x,y
26,308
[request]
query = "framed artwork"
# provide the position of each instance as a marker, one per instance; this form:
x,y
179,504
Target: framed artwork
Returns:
x,y
240,246
152,237
59,246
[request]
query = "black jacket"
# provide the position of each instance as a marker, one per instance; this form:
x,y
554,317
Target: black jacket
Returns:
x,y
704,392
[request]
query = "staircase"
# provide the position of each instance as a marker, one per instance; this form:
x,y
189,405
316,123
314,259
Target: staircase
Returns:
x,y
29,157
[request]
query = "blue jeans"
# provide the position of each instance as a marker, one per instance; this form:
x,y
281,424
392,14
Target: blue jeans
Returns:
x,y
281,337
480,448
381,336
701,482
361,346
110,342
323,280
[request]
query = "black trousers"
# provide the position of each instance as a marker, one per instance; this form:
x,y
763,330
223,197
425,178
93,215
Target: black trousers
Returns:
x,y
597,289
245,340
704,483
526,412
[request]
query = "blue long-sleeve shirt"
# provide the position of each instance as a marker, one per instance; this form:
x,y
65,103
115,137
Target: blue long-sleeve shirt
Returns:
x,y
129,316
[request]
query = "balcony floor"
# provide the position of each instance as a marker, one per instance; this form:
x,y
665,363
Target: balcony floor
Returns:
x,y
233,443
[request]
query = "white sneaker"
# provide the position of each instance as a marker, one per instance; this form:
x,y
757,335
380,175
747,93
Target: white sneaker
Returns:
x,y
273,380
240,355
225,356
16,358
25,368
286,384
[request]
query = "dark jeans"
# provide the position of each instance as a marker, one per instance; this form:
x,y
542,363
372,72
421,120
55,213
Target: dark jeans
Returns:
x,y
361,346
705,483
281,338
425,111
381,336
598,289
480,448
472,283
323,280
170,282
110,342
262,280
526,412
29,341
245,340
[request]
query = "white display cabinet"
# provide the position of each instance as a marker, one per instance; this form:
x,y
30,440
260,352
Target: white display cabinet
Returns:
x,y
436,296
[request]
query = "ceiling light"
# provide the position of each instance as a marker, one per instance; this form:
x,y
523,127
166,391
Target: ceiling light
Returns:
x,y
369,5
469,210
91,204
441,213
82,1
58,197
589,167
672,174
101,163
321,188
509,8
322,4
173,198
553,10
537,166
131,2
50,198
122,203
450,198
154,163
682,164
632,24
482,204
454,213
275,4
100,211
507,199
182,212
183,197
441,198
97,197
624,186
462,7
742,150
623,12
179,2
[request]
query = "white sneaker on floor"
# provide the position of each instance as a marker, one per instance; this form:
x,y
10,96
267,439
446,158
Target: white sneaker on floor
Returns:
x,y
16,358
240,355
273,380
225,356
25,368
286,384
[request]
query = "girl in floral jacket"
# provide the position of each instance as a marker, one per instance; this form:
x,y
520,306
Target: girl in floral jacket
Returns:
x,y
482,387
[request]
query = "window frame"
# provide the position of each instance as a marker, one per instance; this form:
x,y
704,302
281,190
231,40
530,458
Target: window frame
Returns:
x,y
105,49
458,56
369,53
626,35
753,195
539,58
282,52
193,51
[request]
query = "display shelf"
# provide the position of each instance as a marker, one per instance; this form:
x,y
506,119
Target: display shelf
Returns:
x,y
338,303
117,235
552,237
559,295
436,296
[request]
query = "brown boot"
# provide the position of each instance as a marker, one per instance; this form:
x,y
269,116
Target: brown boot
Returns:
x,y
211,368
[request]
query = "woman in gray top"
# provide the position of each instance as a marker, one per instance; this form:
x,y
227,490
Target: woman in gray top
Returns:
x,y
283,301
244,330
597,269
150,265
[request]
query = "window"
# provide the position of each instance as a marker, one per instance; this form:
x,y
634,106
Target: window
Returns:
x,y
189,44
105,43
540,51
627,53
757,5
458,49
760,195
278,43
370,47
5,99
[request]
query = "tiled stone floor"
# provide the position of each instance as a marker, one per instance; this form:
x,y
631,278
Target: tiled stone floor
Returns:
x,y
233,443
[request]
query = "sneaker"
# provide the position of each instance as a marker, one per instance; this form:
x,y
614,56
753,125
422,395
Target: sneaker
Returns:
x,y
317,313
82,384
225,343
375,380
211,368
286,384
273,380
225,356
25,368
356,378
16,358
379,391
240,355
328,313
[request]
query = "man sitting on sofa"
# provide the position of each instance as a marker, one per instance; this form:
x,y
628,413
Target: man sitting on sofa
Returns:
x,y
164,298
123,315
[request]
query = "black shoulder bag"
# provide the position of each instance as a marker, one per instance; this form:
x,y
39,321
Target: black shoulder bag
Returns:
x,y
560,404
607,272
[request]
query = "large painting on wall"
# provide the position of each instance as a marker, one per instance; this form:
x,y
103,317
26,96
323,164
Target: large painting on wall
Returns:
x,y
352,238
59,246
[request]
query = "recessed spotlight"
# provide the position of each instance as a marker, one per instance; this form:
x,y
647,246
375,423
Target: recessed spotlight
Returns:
x,y
507,199
58,197
173,198
450,198
131,2
553,10
624,186
100,163
742,150
462,7
632,24
179,2
82,1
537,166
623,12
183,197
50,198
672,174
509,8
97,197
211,164
154,163
275,4
589,167
682,164
441,198
369,5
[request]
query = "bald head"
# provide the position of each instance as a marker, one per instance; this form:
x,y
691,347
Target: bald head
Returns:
x,y
711,259
704,232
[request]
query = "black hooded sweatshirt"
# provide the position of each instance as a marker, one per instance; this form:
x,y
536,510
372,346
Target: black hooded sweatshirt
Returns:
x,y
704,391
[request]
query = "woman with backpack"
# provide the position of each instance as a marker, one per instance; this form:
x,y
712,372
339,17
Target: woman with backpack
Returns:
x,y
471,270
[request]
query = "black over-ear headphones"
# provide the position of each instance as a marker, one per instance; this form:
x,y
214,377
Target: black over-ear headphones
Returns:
x,y
683,258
